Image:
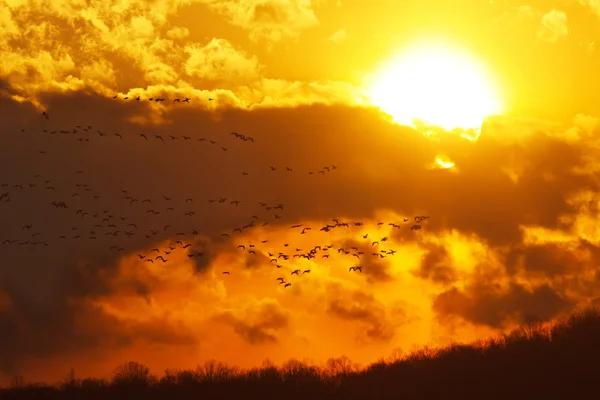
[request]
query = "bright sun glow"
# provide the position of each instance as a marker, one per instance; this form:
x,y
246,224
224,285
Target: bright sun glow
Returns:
x,y
435,85
443,162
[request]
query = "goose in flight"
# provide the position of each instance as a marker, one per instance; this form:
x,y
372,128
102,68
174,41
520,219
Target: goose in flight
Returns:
x,y
295,272
357,268
287,284
225,273
307,271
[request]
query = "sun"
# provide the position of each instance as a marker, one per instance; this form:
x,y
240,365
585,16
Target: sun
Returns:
x,y
435,84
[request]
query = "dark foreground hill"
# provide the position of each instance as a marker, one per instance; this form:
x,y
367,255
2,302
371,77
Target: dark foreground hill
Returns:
x,y
558,362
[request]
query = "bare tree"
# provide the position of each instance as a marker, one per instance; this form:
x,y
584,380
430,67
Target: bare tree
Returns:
x,y
17,381
132,373
214,371
532,327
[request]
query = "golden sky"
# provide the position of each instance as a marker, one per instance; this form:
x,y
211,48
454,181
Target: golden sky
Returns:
x,y
513,211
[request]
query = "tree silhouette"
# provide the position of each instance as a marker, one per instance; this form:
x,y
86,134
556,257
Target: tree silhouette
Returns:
x,y
132,373
532,361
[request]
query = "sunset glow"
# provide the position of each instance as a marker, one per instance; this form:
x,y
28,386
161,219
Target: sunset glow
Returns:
x,y
263,181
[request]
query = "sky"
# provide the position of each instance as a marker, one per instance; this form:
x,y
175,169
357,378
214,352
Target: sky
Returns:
x,y
512,230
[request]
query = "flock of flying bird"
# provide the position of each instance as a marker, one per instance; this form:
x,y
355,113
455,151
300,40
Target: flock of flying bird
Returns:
x,y
150,218
85,134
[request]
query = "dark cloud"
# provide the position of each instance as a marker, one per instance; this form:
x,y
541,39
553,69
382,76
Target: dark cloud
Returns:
x,y
257,260
259,325
436,265
374,267
362,307
67,327
490,304
204,252
380,166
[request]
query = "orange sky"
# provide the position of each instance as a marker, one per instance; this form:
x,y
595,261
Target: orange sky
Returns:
x,y
513,225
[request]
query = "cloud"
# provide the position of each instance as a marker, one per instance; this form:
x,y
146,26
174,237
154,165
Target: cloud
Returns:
x,y
178,32
513,232
490,304
594,5
437,266
133,48
259,323
338,36
273,20
553,26
362,307
218,60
